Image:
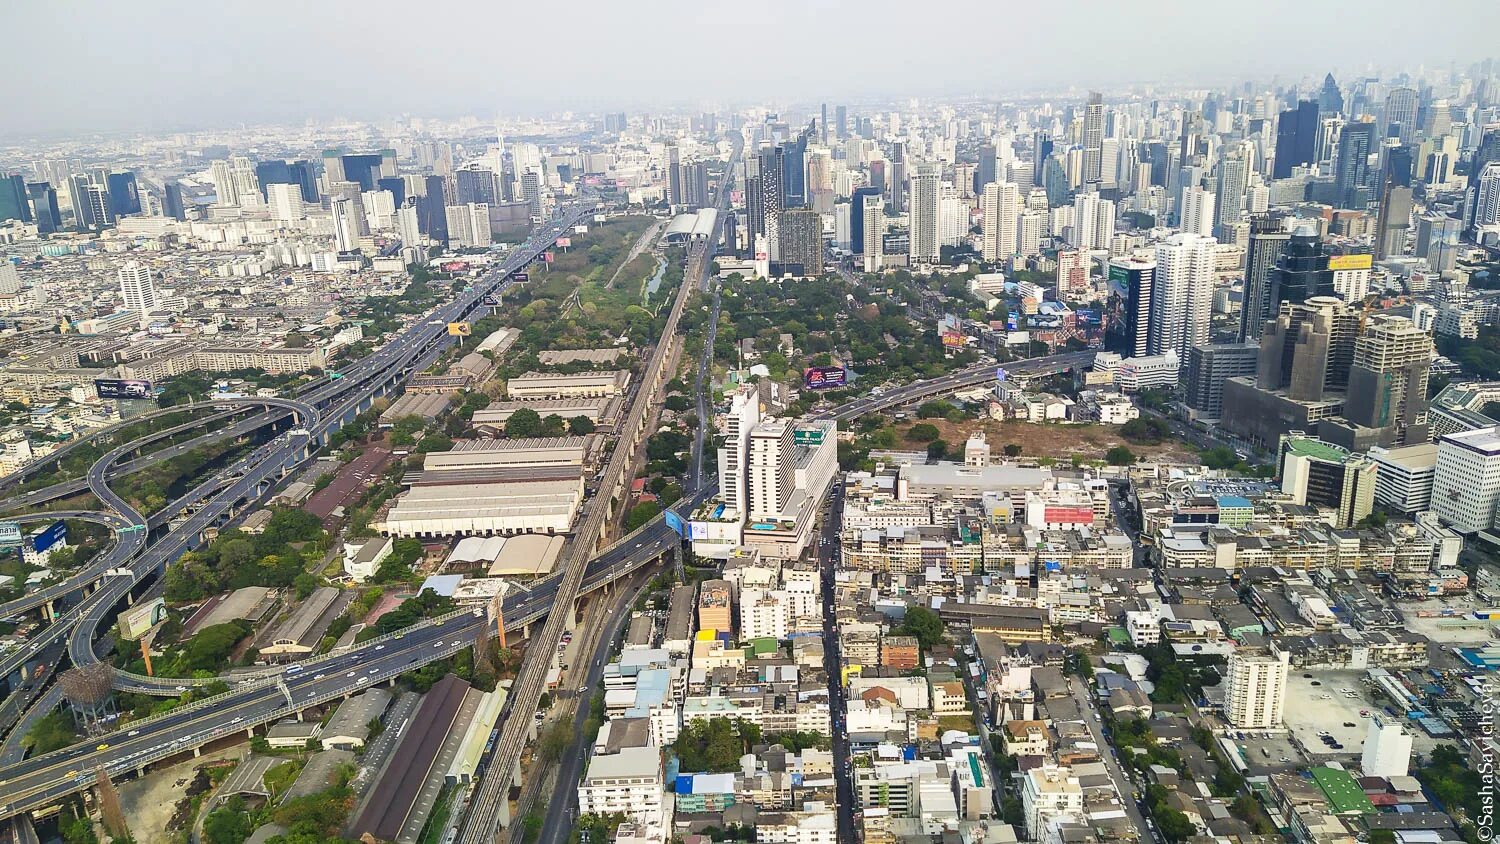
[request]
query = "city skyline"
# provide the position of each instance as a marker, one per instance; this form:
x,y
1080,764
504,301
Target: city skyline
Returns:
x,y
621,59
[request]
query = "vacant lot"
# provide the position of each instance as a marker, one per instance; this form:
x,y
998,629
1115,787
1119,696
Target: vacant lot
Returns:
x,y
1053,439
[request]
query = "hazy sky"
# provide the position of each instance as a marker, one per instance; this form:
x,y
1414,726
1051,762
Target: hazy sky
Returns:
x,y
72,65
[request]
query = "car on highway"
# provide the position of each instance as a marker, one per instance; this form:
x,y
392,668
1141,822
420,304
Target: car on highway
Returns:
x,y
350,674
380,647
101,748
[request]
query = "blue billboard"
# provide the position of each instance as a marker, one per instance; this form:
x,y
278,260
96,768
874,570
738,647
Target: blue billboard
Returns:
x,y
823,377
49,536
674,522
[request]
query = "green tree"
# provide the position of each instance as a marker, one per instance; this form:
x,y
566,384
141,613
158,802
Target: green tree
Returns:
x,y
581,425
937,450
640,514
676,404
524,422
229,824
924,624
1119,456
922,432
1012,450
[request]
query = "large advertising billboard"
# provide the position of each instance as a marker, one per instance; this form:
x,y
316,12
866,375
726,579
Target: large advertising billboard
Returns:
x,y
674,522
119,388
138,621
10,535
53,534
824,377
1351,262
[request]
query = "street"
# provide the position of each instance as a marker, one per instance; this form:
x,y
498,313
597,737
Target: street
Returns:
x,y
1123,785
828,555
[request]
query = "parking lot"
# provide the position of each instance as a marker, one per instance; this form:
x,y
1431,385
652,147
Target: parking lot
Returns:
x,y
1264,754
1318,704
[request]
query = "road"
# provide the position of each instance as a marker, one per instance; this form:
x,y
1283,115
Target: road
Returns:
x,y
1122,783
833,663
971,377
483,822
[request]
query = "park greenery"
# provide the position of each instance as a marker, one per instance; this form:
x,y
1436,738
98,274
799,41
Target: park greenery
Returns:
x,y
715,745
235,559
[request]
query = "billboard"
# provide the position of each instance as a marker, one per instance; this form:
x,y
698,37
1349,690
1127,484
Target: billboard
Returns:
x,y
808,436
138,620
49,536
698,530
824,377
953,339
119,388
459,329
522,276
455,266
674,522
1001,374
10,535
547,257
1351,262
565,242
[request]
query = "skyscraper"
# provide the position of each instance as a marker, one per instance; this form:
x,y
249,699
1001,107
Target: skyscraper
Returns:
x,y
873,231
1093,222
897,185
802,241
476,184
984,172
285,200
96,200
345,224
1351,168
1267,242
1197,211
857,217
1001,203
1255,686
1041,151
841,120
1330,99
14,204
1182,294
770,469
925,213
172,204
1302,269
1233,179
124,195
1296,139
755,205
1466,479
1131,281
1308,349
1093,139
136,287
674,175
772,198
1401,113
44,207
1388,381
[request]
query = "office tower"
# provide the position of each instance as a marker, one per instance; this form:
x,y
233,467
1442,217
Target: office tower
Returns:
x,y
674,175
1182,294
1132,282
351,192
802,241
1393,221
984,171
896,185
1267,243
1255,686
614,122
857,217
531,191
273,172
772,198
1093,139
14,204
1041,151
877,175
1330,99
1466,479
873,231
755,203
363,168
1000,204
1093,222
124,195
44,208
407,224
1302,270
468,225
770,470
476,184
1388,381
1487,197
395,186
136,287
225,189
1296,139
841,121
743,416
925,240
1308,349
1229,195
1320,474
432,215
345,224
1029,227
1351,169
794,169
246,186
1401,113
823,125
1208,367
305,176
285,200
1438,241
77,187
172,204
1387,751
99,210
10,279
1197,211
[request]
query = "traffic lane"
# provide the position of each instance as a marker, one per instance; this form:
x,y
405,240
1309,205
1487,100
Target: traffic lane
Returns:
x,y
1123,785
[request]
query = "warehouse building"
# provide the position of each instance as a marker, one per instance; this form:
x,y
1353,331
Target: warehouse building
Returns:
x,y
542,385
601,411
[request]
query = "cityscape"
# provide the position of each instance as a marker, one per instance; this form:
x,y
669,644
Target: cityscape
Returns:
x,y
614,429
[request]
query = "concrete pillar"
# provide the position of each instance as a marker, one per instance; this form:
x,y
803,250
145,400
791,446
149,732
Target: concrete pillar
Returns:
x,y
531,731
502,811
130,598
249,732
49,612
197,751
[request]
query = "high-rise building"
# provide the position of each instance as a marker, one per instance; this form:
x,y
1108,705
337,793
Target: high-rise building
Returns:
x,y
841,121
743,416
1131,280
172,203
802,241
476,184
1093,139
432,214
1229,194
1388,381
407,223
136,287
1487,197
14,204
1308,349
1387,751
1197,211
896,188
1401,113
771,470
1330,98
468,225
674,175
755,211
1296,139
285,201
1321,474
1268,241
44,207
1001,204
1466,480
97,206
1041,152
10,279
1029,228
925,213
124,194
1209,367
1093,222
872,228
1302,269
345,224
985,171
1182,293
1351,175
772,197
1255,686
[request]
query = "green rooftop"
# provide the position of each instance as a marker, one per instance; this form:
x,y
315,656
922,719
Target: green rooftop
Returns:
x,y
1342,791
1315,448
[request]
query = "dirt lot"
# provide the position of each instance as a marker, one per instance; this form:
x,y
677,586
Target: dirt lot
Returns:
x,y
1051,440
150,802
